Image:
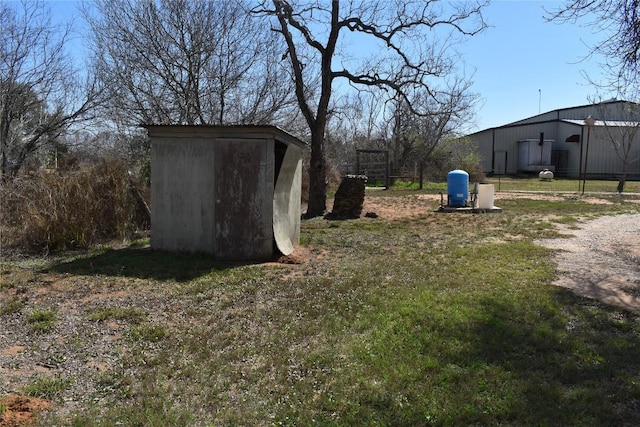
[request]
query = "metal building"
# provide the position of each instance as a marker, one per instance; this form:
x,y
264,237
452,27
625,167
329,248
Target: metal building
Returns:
x,y
569,144
230,191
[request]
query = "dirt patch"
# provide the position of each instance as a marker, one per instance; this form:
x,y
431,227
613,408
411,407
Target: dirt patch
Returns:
x,y
602,260
13,350
389,208
20,410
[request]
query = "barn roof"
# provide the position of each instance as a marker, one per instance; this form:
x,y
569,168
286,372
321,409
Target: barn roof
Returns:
x,y
555,116
603,123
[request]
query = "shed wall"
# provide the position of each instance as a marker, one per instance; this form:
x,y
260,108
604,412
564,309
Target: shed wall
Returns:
x,y
213,190
212,195
182,204
243,198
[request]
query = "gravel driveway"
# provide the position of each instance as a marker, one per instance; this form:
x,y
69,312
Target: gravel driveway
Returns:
x,y
602,260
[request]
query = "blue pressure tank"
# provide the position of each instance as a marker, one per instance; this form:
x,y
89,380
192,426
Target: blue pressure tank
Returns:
x,y
458,188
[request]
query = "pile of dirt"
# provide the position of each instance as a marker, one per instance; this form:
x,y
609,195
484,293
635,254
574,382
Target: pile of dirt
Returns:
x,y
18,410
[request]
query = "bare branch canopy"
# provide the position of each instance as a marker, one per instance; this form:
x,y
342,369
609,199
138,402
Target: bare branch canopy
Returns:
x,y
406,48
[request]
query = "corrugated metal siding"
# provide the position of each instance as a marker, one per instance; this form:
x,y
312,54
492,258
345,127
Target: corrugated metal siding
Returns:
x,y
502,142
565,130
602,158
579,113
506,139
484,142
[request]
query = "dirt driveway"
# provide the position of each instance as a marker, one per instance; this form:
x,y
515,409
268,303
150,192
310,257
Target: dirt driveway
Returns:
x,y
602,260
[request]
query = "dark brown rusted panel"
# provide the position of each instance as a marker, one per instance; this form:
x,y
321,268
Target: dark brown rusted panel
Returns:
x,y
241,232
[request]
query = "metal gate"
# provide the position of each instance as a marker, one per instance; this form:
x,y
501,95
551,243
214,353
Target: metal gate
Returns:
x,y
375,165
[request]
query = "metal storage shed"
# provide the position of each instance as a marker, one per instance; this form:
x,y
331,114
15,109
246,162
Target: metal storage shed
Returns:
x,y
230,191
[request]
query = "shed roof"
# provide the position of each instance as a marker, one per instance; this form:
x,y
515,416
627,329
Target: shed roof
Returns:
x,y
224,131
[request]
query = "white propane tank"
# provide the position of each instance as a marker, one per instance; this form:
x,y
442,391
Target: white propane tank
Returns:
x,y
546,175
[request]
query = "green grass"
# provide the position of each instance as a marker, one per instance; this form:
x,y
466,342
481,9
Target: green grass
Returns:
x,y
50,388
441,319
506,183
42,320
571,185
12,305
148,332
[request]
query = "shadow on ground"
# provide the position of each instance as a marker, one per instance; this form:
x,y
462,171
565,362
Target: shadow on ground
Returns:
x,y
144,263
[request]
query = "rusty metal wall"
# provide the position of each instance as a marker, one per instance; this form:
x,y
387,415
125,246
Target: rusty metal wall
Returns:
x,y
243,192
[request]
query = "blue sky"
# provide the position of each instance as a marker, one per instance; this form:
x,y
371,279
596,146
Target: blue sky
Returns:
x,y
522,63
525,65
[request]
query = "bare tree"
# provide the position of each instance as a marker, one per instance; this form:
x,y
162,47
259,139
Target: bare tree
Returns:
x,y
417,136
414,39
188,62
624,135
41,93
619,23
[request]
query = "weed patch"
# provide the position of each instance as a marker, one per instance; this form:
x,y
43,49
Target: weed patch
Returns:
x,y
42,320
49,388
77,208
13,305
148,332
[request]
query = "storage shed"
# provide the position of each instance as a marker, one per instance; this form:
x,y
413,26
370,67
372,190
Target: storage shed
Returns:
x,y
230,191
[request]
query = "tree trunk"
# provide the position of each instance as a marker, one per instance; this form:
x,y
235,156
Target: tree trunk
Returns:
x,y
623,178
317,177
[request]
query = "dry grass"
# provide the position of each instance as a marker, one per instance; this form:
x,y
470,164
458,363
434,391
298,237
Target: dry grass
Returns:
x,y
51,210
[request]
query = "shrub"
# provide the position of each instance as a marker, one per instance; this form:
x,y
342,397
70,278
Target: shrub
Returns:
x,y
49,210
452,154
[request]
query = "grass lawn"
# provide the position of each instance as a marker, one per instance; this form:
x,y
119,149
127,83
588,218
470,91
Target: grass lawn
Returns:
x,y
506,183
439,319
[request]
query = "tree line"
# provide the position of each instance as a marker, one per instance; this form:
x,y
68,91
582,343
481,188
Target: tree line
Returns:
x,y
343,74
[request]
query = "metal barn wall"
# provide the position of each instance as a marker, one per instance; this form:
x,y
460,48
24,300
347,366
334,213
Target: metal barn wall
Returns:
x,y
581,113
602,160
573,149
484,143
500,145
503,141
